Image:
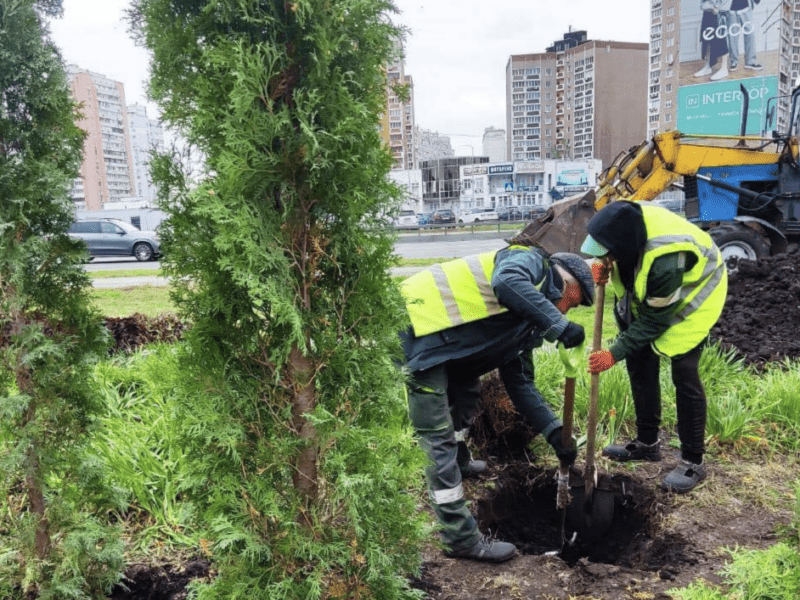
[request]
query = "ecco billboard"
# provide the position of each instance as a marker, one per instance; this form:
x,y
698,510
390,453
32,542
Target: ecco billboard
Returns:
x,y
725,44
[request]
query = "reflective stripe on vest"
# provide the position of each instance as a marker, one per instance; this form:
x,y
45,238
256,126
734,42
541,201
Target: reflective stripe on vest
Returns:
x,y
704,287
452,293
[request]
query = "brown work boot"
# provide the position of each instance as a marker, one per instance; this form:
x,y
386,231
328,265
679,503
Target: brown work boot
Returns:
x,y
634,451
486,550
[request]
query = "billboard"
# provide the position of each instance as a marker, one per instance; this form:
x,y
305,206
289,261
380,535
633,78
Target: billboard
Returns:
x,y
572,174
716,108
725,44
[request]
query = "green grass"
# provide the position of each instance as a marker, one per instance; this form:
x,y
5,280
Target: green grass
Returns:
x,y
150,300
125,273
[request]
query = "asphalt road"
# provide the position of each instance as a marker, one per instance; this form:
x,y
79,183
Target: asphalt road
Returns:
x,y
410,246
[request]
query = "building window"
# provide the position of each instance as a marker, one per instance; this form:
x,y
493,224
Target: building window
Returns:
x,y
670,42
671,26
668,118
668,87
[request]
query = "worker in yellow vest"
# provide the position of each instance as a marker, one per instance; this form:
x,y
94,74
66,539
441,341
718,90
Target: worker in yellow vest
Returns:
x,y
469,317
670,283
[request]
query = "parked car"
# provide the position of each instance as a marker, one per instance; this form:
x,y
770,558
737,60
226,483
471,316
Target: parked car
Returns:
x,y
423,218
114,237
406,218
533,212
478,214
443,215
509,213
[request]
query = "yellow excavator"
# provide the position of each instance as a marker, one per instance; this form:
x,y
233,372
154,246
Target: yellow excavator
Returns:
x,y
744,190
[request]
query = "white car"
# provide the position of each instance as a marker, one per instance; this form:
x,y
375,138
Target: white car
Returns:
x,y
478,214
406,218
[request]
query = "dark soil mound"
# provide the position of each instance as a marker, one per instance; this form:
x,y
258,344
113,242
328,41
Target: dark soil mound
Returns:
x,y
762,314
159,582
132,332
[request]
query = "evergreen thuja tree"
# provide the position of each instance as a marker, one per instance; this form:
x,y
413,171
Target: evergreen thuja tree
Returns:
x,y
49,543
293,411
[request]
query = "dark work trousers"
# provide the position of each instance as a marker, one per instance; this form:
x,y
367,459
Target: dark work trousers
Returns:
x,y
690,399
443,400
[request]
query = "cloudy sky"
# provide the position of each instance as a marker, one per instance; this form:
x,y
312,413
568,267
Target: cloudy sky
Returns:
x,y
456,51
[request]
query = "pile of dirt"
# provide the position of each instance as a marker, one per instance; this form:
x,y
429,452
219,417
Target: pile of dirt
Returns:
x,y
762,313
159,581
132,332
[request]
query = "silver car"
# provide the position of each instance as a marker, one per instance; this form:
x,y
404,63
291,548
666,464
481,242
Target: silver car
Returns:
x,y
114,237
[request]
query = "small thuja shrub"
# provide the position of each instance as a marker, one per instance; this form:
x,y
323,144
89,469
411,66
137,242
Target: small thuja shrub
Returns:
x,y
299,457
51,543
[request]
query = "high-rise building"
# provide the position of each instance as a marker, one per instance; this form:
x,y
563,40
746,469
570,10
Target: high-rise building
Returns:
x,y
494,144
700,60
106,174
576,100
146,135
431,145
397,126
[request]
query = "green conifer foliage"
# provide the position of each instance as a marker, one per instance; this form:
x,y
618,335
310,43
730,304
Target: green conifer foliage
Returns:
x,y
293,415
50,335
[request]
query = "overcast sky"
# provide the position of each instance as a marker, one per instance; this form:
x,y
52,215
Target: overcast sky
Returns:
x,y
456,51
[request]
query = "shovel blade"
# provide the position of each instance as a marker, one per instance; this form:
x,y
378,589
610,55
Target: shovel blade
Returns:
x,y
591,520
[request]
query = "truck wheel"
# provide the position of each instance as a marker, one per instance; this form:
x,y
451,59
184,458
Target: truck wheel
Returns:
x,y
737,241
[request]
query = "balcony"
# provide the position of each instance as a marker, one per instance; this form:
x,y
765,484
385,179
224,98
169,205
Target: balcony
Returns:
x,y
560,62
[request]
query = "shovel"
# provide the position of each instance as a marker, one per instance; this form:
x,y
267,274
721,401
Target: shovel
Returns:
x,y
591,513
570,359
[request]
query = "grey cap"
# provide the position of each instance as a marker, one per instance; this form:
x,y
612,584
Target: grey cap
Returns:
x,y
579,269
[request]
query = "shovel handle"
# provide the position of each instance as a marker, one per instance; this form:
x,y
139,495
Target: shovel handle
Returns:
x,y
590,474
569,409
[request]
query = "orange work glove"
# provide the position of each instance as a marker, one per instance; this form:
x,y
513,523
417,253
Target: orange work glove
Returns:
x,y
600,271
600,361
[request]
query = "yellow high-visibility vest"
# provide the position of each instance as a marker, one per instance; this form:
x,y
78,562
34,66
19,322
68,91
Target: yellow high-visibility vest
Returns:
x,y
449,294
702,294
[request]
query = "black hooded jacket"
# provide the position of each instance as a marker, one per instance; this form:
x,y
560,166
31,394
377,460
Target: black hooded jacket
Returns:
x,y
620,228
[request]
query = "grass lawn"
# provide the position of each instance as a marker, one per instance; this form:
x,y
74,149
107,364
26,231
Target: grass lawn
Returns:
x,y
150,300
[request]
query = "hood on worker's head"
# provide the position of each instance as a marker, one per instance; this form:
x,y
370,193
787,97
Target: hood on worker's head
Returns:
x,y
619,227
579,269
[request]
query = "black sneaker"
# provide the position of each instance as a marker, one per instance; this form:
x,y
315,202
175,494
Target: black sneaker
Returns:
x,y
486,550
472,469
754,66
634,450
683,478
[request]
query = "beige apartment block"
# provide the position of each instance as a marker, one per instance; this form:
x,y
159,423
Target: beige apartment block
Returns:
x,y
397,122
106,174
581,99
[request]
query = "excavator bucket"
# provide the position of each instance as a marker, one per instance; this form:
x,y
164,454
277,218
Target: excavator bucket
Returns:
x,y
562,228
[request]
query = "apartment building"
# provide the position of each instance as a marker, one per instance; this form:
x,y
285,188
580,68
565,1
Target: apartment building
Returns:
x,y
430,145
577,100
397,124
146,135
494,144
759,43
106,174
